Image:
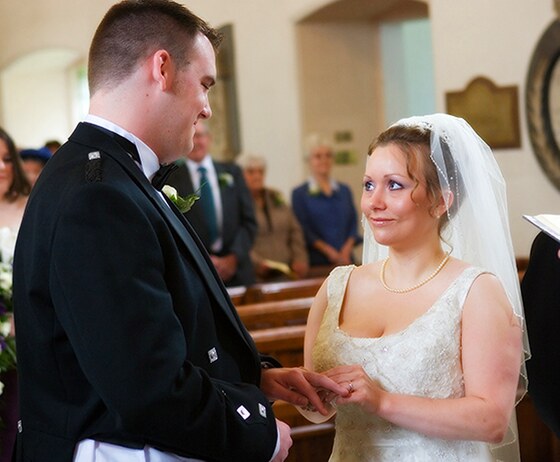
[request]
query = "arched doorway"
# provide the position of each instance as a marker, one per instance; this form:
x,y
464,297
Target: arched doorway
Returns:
x,y
362,64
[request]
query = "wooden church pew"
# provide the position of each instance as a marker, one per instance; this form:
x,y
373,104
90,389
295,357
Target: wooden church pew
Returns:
x,y
275,314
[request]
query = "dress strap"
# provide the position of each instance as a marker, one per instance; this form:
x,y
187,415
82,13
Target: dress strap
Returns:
x,y
336,288
465,281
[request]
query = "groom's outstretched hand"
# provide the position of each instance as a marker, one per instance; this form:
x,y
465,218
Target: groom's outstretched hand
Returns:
x,y
299,387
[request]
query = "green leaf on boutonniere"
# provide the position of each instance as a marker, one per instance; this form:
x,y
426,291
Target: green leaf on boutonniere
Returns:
x,y
225,179
277,199
184,204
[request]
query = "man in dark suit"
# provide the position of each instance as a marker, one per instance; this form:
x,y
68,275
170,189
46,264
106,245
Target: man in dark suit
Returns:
x,y
128,345
223,217
541,299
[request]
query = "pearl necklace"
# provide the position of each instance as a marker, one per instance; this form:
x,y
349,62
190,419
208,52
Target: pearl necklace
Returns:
x,y
416,286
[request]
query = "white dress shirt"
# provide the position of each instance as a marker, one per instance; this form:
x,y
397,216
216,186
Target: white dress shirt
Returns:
x,y
96,451
150,162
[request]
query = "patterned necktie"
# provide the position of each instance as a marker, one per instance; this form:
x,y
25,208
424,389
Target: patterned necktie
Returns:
x,y
208,206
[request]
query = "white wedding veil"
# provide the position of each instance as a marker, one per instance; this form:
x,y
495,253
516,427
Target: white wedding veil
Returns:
x,y
478,228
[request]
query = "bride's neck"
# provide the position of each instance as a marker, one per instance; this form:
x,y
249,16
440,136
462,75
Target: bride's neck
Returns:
x,y
413,265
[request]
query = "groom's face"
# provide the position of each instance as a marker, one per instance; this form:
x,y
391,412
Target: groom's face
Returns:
x,y
188,99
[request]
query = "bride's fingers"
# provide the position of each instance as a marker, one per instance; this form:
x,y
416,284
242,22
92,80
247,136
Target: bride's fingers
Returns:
x,y
323,381
345,374
349,385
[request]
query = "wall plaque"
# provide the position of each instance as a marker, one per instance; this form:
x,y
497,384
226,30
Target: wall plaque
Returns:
x,y
491,110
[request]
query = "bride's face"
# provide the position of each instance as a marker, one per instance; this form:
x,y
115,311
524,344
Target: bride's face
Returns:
x,y
395,205
6,168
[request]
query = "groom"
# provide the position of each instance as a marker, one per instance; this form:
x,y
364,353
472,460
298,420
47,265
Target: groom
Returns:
x,y
128,345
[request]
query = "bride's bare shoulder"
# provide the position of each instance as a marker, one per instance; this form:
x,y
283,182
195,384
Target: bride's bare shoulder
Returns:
x,y
365,272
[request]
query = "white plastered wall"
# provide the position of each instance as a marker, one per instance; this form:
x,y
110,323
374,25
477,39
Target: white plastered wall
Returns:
x,y
496,39
471,37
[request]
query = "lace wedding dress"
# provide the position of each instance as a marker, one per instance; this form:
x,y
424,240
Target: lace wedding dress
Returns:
x,y
422,360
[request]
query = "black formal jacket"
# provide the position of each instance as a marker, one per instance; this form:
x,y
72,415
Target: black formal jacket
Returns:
x,y
541,299
238,216
125,333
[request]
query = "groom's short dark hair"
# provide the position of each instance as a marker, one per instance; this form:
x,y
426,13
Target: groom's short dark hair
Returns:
x,y
133,29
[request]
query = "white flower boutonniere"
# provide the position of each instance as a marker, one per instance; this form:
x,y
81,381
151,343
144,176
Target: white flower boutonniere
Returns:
x,y
225,179
277,199
184,204
314,190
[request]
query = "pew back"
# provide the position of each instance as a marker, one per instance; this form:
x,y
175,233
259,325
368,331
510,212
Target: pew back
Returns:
x,y
285,343
275,314
269,291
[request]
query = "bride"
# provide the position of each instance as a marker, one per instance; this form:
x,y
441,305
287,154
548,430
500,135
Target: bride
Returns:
x,y
427,335
14,189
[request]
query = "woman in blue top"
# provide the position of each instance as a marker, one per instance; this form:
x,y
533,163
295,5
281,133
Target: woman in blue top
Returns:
x,y
326,212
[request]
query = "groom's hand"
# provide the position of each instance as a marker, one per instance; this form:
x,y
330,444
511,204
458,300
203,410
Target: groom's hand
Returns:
x,y
285,440
299,387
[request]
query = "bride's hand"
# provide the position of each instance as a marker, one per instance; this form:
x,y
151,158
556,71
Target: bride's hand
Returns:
x,y
364,391
300,387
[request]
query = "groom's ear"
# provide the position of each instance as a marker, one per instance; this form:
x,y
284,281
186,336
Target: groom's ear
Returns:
x,y
162,69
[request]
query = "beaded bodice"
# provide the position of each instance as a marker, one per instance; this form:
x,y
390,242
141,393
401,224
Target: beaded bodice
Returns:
x,y
424,359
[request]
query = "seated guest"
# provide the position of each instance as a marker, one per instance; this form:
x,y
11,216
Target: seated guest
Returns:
x,y
279,237
325,209
33,162
223,217
52,145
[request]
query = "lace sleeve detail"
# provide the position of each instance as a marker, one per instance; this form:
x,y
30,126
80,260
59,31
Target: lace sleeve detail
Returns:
x,y
337,281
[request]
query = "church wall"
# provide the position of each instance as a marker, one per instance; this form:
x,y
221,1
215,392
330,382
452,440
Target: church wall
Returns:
x,y
474,37
496,39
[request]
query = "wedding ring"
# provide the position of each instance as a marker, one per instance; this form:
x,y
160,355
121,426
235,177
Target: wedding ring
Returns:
x,y
350,387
